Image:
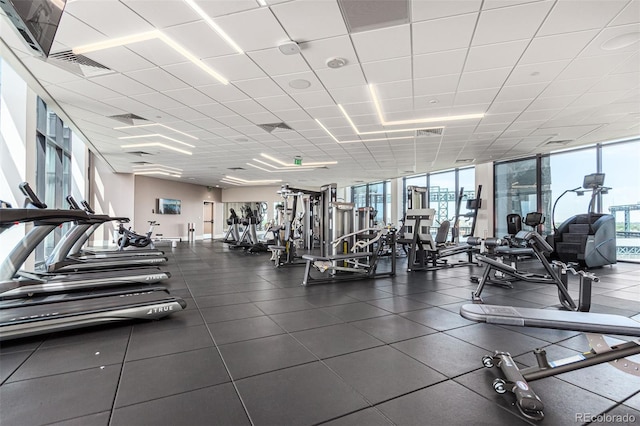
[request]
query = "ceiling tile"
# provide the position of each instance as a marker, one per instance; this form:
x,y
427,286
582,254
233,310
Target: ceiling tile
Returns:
x,y
200,39
521,92
310,20
284,80
510,23
593,15
341,77
157,79
433,9
536,73
318,52
350,95
110,17
435,64
554,102
443,34
576,86
122,84
254,29
385,43
120,59
592,66
630,14
476,96
157,52
313,99
259,87
615,82
235,67
222,93
495,55
595,48
189,96
561,46
126,104
190,74
163,13
157,100
224,7
73,31
278,103
396,89
292,114
435,85
90,89
245,106
388,71
273,62
483,79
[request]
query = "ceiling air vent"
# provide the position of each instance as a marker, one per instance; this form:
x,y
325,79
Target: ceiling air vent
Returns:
x,y
78,64
562,142
236,168
365,15
140,163
270,127
128,118
429,132
465,160
139,154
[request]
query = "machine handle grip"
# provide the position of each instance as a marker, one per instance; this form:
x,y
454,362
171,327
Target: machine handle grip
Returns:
x,y
32,197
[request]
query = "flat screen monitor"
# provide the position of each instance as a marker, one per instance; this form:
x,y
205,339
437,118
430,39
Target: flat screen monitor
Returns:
x,y
35,20
168,206
594,180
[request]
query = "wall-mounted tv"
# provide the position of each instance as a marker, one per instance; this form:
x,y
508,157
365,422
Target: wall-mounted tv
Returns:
x,y
168,206
35,20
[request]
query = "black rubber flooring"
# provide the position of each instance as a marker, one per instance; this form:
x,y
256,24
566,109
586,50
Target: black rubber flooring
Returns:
x,y
255,347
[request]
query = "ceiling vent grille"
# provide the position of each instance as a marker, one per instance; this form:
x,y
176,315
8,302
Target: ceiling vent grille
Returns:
x,y
128,118
236,168
78,64
271,127
365,15
429,132
561,142
140,163
139,153
465,160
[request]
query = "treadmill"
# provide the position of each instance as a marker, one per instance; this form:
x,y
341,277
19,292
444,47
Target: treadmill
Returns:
x,y
32,316
17,284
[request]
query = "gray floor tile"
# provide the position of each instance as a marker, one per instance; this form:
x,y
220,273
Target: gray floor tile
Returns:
x,y
634,402
280,306
335,340
221,300
355,311
244,329
258,356
493,338
368,417
99,419
395,373
398,304
47,361
303,320
147,344
436,351
152,378
448,398
10,361
213,405
437,318
392,328
59,397
305,394
230,312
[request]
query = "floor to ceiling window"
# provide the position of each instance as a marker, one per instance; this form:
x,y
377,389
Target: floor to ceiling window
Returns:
x,y
376,195
515,191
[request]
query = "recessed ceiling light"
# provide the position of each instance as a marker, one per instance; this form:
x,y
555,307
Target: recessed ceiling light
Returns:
x,y
299,84
621,41
336,62
433,101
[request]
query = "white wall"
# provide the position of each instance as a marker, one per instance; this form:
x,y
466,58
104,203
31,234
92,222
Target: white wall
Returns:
x,y
192,197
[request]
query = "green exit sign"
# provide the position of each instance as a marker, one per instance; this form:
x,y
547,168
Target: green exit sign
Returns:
x,y
297,161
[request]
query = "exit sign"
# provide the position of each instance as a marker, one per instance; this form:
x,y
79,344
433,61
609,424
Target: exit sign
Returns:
x,y
297,161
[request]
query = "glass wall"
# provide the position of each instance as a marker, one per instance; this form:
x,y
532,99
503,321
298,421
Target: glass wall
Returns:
x,y
376,195
539,183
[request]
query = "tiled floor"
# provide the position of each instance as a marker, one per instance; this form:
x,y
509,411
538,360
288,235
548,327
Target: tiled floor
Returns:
x,y
254,347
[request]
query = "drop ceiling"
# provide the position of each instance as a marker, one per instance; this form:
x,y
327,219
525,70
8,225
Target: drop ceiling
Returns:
x,y
515,75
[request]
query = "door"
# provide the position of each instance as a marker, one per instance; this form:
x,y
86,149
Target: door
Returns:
x,y
207,216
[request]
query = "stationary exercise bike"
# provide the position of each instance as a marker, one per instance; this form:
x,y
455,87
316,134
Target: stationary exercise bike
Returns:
x,y
131,238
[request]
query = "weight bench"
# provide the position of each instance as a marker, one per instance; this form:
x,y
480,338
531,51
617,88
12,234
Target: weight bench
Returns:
x,y
516,379
329,262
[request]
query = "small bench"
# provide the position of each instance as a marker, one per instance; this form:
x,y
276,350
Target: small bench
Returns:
x,y
315,258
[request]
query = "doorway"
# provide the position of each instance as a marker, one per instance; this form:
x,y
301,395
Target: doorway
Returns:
x,y
207,217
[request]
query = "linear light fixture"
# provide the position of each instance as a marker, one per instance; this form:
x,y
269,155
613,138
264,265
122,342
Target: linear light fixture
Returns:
x,y
285,168
214,26
158,144
378,139
156,172
230,182
240,181
149,35
156,135
262,2
152,165
277,169
317,163
369,140
155,124
378,107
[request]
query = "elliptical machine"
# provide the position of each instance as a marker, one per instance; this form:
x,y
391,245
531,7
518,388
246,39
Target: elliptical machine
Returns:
x,y
588,239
